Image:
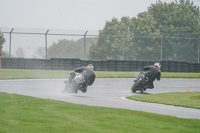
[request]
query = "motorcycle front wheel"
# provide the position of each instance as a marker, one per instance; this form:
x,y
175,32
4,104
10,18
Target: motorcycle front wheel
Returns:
x,y
136,86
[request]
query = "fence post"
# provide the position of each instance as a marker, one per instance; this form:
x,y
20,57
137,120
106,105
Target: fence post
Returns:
x,y
46,41
85,45
10,42
198,49
161,47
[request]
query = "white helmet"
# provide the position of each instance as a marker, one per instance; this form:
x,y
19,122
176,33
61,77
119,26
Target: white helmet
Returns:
x,y
158,65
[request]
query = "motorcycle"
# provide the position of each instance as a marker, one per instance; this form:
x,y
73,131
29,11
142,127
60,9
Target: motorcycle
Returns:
x,y
74,83
141,84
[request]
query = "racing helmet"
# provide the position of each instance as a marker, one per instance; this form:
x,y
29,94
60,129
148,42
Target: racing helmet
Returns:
x,y
90,66
158,65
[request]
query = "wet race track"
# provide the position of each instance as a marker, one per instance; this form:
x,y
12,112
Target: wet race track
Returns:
x,y
107,93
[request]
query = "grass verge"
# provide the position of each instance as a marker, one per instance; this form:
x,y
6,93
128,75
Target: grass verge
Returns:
x,y
24,114
51,74
184,99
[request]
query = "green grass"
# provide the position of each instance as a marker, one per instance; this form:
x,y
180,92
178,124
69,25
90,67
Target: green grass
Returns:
x,y
51,74
179,75
24,114
31,74
184,99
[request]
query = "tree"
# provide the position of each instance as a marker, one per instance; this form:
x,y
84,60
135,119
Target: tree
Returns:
x,y
111,40
176,17
145,42
118,39
69,48
141,37
61,49
40,52
2,40
179,21
20,52
4,54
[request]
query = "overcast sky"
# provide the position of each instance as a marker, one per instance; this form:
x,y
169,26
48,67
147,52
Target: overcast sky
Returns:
x,y
69,14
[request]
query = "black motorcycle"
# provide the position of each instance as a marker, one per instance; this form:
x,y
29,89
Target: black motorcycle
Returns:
x,y
74,83
141,83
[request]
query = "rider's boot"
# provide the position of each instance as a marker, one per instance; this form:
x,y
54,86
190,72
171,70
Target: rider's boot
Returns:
x,y
84,89
150,86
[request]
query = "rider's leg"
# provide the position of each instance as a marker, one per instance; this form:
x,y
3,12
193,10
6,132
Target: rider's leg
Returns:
x,y
150,85
83,87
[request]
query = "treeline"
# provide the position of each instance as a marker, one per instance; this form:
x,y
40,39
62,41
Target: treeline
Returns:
x,y
67,49
171,29
70,48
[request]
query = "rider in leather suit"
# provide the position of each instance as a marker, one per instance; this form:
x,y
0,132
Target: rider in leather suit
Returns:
x,y
152,73
88,74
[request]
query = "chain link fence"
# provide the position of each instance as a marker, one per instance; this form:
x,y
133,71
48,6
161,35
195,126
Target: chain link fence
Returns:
x,y
40,44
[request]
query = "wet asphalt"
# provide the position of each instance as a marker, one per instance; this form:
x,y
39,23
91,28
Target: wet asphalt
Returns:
x,y
109,92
